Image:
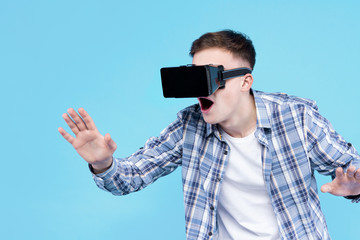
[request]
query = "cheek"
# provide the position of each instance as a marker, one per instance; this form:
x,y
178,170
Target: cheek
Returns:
x,y
227,97
232,85
230,92
224,100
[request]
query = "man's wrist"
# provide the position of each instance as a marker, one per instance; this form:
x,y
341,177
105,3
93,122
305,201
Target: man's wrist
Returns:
x,y
102,167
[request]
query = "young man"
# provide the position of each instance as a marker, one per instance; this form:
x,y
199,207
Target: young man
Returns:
x,y
247,157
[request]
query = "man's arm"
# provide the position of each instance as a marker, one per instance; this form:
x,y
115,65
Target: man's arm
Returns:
x,y
159,157
330,154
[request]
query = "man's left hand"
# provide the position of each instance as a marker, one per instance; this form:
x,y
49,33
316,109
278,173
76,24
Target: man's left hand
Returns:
x,y
344,184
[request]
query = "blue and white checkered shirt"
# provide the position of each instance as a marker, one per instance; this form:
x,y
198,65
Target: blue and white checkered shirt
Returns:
x,y
295,140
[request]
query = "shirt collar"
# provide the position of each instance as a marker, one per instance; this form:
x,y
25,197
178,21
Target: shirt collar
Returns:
x,y
210,128
262,118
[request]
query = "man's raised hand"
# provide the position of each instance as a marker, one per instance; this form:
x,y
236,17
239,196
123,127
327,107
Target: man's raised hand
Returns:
x,y
344,184
93,147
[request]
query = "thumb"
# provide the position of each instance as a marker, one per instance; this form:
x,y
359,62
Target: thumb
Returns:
x,y
326,188
110,142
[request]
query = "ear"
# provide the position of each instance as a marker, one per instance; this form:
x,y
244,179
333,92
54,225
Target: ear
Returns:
x,y
247,82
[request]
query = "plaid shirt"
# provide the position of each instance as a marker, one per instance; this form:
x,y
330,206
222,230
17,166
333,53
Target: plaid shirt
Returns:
x,y
295,140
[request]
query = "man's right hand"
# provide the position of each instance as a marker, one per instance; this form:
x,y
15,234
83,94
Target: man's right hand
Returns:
x,y
95,148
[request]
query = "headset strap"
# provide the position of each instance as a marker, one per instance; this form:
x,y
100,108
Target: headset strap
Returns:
x,y
236,72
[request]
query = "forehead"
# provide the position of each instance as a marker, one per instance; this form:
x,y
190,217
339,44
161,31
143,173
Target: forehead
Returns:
x,y
218,56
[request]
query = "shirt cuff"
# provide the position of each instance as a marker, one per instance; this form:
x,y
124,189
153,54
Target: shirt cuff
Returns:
x,y
104,176
354,198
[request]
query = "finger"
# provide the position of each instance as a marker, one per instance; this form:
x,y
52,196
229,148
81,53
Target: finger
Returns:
x,y
351,171
110,142
74,128
357,174
326,188
340,173
87,119
77,119
66,135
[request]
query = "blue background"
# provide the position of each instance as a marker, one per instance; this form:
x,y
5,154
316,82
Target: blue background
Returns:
x,y
105,56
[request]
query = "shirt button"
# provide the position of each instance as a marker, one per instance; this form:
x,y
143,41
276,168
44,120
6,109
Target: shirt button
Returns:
x,y
225,152
210,233
212,208
218,179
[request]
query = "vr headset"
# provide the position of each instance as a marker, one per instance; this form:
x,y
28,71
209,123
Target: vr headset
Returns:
x,y
196,81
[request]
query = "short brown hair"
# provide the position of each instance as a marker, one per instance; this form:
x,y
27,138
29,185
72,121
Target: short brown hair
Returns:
x,y
237,43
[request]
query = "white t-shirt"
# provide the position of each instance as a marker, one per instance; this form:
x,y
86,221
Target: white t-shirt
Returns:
x,y
244,208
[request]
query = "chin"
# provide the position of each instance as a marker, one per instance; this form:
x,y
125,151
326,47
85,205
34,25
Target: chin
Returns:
x,y
210,120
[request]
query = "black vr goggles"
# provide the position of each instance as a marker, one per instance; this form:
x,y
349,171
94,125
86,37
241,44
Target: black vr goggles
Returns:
x,y
196,81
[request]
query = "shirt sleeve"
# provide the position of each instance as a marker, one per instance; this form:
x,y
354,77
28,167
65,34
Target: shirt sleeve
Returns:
x,y
326,148
159,157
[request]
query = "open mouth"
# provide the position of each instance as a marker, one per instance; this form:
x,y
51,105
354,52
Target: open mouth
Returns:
x,y
205,104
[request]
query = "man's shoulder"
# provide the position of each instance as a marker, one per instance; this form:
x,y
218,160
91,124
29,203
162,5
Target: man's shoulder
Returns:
x,y
193,110
191,114
192,120
284,100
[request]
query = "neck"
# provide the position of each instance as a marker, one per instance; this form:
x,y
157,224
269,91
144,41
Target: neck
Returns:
x,y
243,122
